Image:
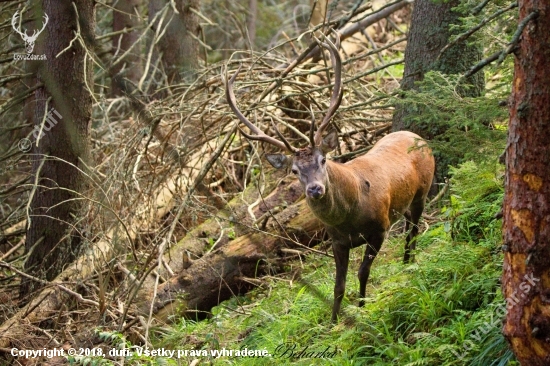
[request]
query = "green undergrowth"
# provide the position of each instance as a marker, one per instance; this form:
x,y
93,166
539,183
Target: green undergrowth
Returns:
x,y
441,310
444,309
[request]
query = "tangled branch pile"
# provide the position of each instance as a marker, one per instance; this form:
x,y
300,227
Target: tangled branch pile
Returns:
x,y
173,184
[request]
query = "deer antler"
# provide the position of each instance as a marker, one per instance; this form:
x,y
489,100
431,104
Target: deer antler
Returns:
x,y
337,93
259,135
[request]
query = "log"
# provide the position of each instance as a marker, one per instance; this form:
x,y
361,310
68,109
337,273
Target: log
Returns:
x,y
222,273
234,220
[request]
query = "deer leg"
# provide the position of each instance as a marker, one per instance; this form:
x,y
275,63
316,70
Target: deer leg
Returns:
x,y
407,215
341,257
373,246
410,245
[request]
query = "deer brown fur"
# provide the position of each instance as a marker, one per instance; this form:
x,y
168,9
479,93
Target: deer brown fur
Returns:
x,y
359,200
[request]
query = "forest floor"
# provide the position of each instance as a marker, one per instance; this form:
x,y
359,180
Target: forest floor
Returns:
x,y
442,309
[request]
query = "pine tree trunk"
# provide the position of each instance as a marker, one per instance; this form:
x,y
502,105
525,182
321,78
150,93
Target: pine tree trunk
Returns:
x,y
125,16
526,271
428,35
178,48
64,104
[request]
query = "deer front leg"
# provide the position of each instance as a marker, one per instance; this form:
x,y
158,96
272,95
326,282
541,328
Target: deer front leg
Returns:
x,y
341,258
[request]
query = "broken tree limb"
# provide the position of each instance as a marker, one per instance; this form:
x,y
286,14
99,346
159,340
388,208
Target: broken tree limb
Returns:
x,y
362,24
221,274
233,220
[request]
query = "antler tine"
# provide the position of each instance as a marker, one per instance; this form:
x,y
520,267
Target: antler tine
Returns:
x,y
259,135
14,23
312,128
337,94
283,139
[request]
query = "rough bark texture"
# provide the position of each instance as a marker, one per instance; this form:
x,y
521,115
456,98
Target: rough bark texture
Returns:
x,y
125,16
177,47
222,273
428,35
526,271
51,240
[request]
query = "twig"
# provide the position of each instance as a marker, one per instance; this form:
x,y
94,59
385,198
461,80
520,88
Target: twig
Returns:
x,y
441,193
479,8
13,249
472,30
501,55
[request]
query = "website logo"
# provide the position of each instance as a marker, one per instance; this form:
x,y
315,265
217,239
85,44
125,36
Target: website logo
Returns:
x,y
29,40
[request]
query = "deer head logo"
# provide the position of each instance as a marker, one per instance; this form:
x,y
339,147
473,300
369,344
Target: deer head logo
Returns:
x,y
29,40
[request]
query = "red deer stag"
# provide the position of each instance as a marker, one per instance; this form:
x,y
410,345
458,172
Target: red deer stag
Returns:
x,y
357,201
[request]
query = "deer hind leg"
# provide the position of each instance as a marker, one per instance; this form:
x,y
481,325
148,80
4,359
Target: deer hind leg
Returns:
x,y
414,217
373,246
341,257
407,216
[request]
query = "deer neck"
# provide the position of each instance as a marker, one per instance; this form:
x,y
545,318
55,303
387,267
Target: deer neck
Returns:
x,y
341,195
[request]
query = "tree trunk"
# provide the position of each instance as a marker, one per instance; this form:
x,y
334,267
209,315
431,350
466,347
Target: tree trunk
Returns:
x,y
526,271
428,35
125,16
62,124
178,48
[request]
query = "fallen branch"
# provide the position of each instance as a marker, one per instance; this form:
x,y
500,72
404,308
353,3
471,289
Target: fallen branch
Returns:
x,y
221,274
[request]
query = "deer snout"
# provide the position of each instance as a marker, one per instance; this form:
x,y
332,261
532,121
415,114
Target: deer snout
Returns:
x,y
315,191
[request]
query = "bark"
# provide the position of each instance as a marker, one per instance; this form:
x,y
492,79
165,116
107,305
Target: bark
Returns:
x,y
192,28
125,16
233,220
177,48
526,220
428,35
223,273
63,147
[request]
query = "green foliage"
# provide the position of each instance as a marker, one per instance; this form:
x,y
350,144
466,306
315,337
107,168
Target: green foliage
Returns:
x,y
459,128
481,183
442,106
116,341
496,32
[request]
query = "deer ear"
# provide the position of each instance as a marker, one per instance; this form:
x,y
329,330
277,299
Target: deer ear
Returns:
x,y
278,161
330,142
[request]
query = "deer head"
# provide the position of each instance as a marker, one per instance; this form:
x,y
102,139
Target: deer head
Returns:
x,y
29,40
308,163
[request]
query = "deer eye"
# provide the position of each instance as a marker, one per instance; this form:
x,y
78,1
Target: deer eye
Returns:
x,y
294,171
324,161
